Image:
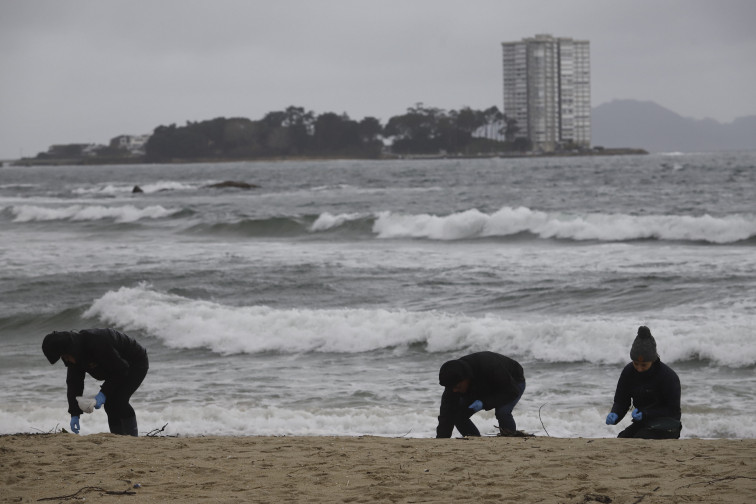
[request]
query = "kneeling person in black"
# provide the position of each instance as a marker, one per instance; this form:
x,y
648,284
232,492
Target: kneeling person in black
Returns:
x,y
482,380
105,354
653,388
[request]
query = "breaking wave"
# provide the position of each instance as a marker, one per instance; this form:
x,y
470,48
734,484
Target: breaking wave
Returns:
x,y
508,223
121,189
124,213
473,224
600,227
185,323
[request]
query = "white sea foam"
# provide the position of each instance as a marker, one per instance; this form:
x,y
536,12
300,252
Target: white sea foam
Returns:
x,y
567,311
185,323
601,227
327,221
387,420
124,213
119,189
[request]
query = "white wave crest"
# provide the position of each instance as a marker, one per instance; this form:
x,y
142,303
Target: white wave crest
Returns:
x,y
185,323
601,227
125,213
239,419
326,221
118,189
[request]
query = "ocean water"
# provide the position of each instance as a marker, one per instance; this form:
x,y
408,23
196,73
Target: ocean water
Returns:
x,y
324,301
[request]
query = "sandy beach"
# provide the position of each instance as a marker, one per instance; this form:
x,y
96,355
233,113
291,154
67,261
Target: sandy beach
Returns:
x,y
63,467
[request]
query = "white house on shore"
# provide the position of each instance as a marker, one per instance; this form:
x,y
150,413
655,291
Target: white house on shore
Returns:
x,y
135,144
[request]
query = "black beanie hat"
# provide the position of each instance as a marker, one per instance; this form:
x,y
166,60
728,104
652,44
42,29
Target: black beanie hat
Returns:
x,y
451,373
56,344
644,346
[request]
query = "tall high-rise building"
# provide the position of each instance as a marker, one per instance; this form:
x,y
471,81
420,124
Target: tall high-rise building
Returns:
x,y
547,90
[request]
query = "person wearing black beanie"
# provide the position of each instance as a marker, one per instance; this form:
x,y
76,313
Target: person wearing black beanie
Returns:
x,y
653,390
104,354
482,380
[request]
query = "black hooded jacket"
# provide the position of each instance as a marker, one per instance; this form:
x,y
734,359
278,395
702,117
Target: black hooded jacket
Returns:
x,y
105,354
494,378
656,392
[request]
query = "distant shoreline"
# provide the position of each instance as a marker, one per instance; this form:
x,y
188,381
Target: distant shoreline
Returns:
x,y
506,155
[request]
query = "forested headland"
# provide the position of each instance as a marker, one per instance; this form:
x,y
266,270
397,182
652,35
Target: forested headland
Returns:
x,y
296,132
299,133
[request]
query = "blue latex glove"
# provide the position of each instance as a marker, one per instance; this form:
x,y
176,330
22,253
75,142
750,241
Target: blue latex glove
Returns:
x,y
75,424
637,415
611,418
99,400
476,406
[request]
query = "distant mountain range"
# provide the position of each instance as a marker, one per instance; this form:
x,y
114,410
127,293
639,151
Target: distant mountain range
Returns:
x,y
646,125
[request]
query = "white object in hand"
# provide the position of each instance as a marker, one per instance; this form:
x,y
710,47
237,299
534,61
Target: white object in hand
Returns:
x,y
86,404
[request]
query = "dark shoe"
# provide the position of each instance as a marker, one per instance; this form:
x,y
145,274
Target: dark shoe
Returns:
x,y
510,433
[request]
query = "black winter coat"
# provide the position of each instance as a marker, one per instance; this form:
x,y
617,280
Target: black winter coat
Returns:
x,y
494,378
656,392
105,354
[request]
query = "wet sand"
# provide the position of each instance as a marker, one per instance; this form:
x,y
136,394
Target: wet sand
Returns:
x,y
63,467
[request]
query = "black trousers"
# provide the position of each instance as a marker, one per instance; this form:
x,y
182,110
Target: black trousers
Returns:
x,y
466,427
119,411
668,429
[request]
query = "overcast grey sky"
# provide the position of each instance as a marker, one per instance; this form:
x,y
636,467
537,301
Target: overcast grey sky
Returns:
x,y
80,71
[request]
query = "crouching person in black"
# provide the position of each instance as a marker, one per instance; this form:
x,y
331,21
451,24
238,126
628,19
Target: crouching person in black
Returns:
x,y
482,380
106,355
653,389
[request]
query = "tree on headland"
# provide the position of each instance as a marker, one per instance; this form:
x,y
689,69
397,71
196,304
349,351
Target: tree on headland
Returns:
x,y
287,132
416,131
428,130
293,132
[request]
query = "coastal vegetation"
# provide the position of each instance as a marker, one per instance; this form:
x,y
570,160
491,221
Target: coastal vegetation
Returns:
x,y
299,133
296,132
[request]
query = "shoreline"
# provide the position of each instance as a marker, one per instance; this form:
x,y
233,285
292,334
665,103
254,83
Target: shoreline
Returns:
x,y
393,157
368,469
